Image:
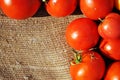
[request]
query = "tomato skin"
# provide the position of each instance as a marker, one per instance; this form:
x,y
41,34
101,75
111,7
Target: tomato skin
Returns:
x,y
110,27
113,72
95,9
82,34
61,8
20,9
111,48
91,68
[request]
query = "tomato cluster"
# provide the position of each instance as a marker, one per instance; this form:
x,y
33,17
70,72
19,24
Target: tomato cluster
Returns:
x,y
98,32
23,9
95,40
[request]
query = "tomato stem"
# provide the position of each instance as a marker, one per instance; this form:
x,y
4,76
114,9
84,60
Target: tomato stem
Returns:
x,y
78,56
75,51
91,49
100,19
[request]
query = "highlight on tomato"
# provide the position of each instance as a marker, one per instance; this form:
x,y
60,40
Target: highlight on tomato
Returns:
x,y
20,9
82,34
95,9
111,48
87,66
60,8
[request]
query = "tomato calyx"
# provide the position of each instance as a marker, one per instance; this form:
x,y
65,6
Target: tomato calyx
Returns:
x,y
78,56
92,56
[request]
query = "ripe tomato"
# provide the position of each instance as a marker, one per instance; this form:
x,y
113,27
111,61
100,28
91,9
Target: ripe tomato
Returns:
x,y
95,9
82,34
91,67
20,9
60,8
117,4
111,48
110,27
113,72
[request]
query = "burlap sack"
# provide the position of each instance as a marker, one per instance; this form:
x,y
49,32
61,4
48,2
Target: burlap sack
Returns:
x,y
35,48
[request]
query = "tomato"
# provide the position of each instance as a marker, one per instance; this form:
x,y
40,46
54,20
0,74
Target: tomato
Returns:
x,y
111,48
113,72
95,9
60,8
110,27
91,67
117,4
20,9
82,34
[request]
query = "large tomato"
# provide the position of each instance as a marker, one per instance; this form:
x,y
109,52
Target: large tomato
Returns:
x,y
113,72
95,9
111,48
110,27
60,8
82,34
20,9
91,67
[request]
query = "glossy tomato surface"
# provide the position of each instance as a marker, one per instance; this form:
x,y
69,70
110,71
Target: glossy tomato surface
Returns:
x,y
110,27
111,48
82,34
91,67
20,9
61,8
95,9
113,72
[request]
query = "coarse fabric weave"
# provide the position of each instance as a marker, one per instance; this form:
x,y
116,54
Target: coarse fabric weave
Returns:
x,y
34,48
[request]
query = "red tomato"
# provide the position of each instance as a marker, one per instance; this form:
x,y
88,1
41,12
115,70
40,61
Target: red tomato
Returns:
x,y
111,48
110,27
113,72
91,67
95,9
60,8
20,9
82,34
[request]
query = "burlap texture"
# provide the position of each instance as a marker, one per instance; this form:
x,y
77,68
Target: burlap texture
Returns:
x,y
35,48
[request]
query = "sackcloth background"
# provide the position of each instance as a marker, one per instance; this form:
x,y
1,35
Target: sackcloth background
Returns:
x,y
35,48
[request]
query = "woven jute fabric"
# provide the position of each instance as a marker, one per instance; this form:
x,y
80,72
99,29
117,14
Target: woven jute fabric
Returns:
x,y
34,48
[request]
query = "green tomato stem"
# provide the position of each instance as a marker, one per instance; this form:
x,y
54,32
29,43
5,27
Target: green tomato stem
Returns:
x,y
78,56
